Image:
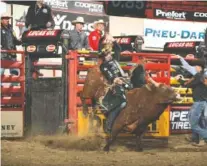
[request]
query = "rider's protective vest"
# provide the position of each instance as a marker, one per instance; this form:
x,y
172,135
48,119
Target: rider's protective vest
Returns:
x,y
110,70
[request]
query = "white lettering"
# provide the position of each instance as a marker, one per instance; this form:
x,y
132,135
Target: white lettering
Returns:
x,y
198,14
183,116
181,44
179,120
174,115
57,3
58,20
180,126
171,14
92,7
41,33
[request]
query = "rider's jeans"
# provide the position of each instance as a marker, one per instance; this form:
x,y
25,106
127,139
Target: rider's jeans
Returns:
x,y
113,114
195,114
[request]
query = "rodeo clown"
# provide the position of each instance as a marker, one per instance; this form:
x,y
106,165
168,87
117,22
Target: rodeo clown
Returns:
x,y
115,100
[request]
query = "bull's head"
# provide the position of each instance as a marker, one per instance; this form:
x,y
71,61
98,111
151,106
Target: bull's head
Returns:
x,y
164,94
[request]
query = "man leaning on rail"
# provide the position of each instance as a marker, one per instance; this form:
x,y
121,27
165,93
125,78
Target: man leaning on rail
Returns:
x,y
78,38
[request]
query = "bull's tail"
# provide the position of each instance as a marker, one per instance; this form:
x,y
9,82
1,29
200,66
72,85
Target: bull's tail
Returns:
x,y
84,104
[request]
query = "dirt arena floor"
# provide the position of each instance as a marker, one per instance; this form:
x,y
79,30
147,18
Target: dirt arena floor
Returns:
x,y
71,151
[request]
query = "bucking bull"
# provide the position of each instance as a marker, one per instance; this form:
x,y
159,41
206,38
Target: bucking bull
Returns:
x,y
144,105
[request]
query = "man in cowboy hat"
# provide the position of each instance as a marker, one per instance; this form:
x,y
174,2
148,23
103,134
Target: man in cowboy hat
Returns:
x,y
96,35
8,41
78,38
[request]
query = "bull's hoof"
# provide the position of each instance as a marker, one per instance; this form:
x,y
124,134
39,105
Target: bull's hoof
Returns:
x,y
106,148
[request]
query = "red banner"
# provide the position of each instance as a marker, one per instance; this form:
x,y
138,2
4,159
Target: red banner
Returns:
x,y
181,45
124,40
42,33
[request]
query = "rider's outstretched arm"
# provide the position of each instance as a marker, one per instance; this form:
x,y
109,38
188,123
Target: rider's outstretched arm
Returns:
x,y
153,82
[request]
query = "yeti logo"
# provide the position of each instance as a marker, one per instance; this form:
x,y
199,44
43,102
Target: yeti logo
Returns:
x,y
59,20
64,22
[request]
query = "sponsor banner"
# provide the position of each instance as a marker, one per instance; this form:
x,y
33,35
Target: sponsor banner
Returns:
x,y
158,32
181,45
42,33
125,8
63,20
19,16
177,10
123,40
132,26
86,7
11,123
179,120
180,15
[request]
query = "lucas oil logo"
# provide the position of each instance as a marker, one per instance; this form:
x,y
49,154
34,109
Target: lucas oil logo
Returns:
x,y
182,34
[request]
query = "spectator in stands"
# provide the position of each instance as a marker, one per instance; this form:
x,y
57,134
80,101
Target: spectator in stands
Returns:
x,y
39,16
78,38
95,36
8,42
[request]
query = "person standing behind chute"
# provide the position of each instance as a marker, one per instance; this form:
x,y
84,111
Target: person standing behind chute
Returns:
x,y
95,36
39,16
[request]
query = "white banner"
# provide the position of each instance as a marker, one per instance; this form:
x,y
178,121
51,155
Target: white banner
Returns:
x,y
158,32
125,26
11,124
19,16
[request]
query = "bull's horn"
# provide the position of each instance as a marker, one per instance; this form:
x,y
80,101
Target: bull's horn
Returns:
x,y
148,87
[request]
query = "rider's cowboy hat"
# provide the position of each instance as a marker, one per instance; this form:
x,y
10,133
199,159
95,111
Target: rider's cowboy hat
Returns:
x,y
5,15
106,49
98,22
78,20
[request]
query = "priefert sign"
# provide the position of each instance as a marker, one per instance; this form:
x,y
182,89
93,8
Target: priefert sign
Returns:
x,y
170,14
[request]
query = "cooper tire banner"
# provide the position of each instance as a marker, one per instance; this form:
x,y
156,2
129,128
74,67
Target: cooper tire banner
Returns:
x,y
179,122
65,12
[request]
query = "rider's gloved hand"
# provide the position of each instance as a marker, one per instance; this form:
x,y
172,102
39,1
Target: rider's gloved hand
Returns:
x,y
49,24
118,81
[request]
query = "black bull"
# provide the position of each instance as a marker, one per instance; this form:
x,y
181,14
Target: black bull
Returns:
x,y
144,105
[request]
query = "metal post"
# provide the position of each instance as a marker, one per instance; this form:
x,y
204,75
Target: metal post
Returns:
x,y
72,91
28,95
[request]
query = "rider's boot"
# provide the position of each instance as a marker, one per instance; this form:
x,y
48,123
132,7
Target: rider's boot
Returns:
x,y
112,116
